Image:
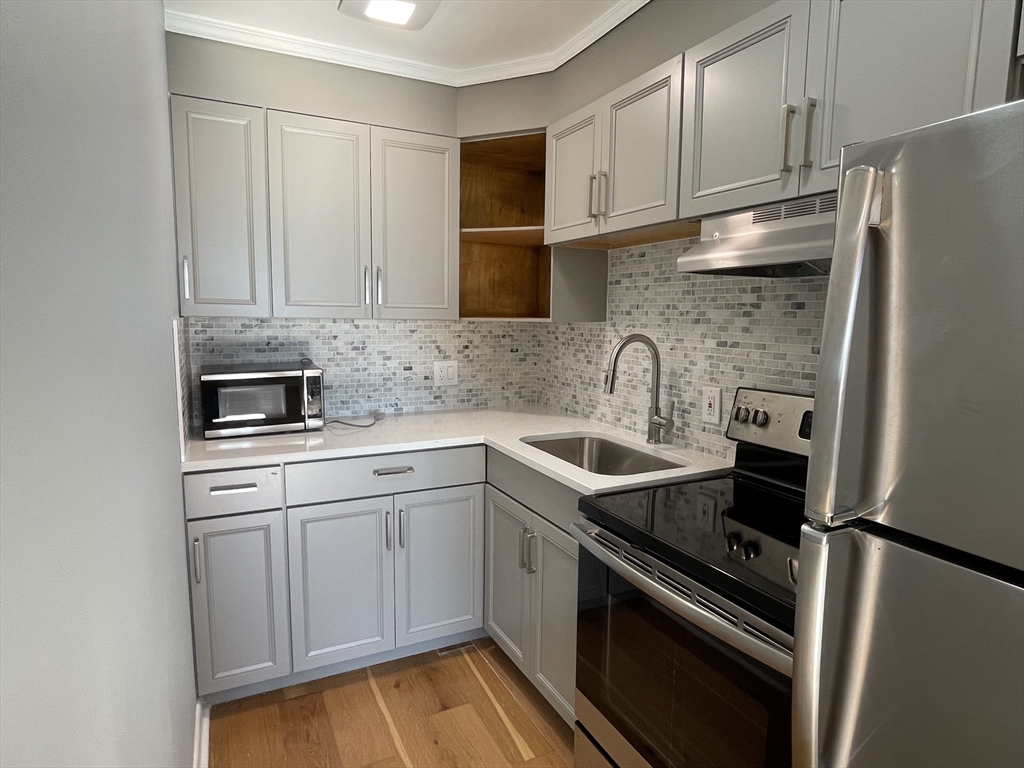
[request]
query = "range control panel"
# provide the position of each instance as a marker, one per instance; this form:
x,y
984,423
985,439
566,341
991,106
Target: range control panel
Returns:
x,y
772,419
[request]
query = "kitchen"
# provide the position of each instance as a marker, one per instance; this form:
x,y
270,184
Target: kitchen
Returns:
x,y
580,315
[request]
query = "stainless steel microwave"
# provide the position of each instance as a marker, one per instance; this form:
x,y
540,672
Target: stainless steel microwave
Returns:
x,y
261,399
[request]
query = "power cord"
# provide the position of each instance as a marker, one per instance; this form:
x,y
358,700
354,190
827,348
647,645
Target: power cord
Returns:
x,y
378,416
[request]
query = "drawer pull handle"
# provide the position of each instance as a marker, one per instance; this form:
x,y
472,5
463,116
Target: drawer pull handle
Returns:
x,y
393,471
227,490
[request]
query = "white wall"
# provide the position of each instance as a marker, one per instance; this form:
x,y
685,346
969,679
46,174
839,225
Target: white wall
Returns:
x,y
96,663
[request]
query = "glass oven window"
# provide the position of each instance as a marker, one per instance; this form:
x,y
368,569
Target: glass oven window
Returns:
x,y
268,401
680,696
252,402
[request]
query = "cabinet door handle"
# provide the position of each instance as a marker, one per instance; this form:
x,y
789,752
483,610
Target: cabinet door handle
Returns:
x,y
787,112
228,490
522,547
401,528
530,538
195,561
592,201
366,286
805,140
384,472
387,529
602,194
184,277
380,286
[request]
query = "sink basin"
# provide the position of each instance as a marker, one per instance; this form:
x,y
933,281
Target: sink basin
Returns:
x,y
601,456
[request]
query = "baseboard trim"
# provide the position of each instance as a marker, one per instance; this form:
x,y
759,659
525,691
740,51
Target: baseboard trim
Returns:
x,y
201,744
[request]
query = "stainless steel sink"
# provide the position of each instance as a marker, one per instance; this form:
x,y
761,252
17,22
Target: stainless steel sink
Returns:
x,y
601,456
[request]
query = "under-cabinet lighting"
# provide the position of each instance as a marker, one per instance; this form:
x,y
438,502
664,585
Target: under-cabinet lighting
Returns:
x,y
390,11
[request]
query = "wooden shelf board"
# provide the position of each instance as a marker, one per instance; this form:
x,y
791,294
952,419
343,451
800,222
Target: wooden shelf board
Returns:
x,y
655,233
504,235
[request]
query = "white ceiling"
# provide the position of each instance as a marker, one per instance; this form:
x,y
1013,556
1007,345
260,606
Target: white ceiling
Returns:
x,y
466,42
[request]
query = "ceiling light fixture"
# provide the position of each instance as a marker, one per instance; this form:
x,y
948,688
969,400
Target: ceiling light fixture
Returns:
x,y
404,14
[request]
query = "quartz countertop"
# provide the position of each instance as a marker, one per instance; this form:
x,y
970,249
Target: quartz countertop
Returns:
x,y
498,429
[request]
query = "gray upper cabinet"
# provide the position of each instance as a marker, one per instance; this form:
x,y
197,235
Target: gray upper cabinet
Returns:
x,y
615,164
319,173
740,97
341,562
439,563
415,230
875,69
239,599
220,189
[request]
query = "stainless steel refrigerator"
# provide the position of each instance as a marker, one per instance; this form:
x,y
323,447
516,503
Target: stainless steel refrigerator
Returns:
x,y
910,602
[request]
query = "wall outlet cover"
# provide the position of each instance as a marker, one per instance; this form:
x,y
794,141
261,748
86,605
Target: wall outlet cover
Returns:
x,y
446,373
712,407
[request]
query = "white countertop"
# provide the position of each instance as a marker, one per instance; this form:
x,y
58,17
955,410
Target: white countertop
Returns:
x,y
501,430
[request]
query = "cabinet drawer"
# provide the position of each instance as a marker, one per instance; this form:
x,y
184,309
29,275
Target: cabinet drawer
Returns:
x,y
210,494
314,482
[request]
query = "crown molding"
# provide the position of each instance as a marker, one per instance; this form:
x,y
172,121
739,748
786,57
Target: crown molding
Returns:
x,y
293,45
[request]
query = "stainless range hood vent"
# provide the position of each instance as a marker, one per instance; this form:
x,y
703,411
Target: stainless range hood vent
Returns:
x,y
791,239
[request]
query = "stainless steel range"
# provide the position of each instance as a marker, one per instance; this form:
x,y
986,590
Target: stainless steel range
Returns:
x,y
686,603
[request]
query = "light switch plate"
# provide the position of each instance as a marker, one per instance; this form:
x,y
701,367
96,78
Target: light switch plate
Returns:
x,y
446,373
712,407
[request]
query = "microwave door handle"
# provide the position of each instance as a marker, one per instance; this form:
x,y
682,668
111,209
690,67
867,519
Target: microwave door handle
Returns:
x,y
860,209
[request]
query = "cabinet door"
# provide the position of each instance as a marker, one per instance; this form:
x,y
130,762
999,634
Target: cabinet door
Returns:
x,y
552,559
876,69
640,180
220,193
319,216
439,563
507,598
415,213
741,92
239,599
341,563
571,179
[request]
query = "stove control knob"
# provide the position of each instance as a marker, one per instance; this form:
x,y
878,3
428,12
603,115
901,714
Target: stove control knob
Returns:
x,y
750,550
733,541
759,417
741,414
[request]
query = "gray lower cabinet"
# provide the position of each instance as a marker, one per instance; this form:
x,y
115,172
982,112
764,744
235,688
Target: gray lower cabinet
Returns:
x,y
439,563
239,599
531,597
341,566
220,191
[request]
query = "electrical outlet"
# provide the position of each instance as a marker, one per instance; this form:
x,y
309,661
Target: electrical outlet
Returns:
x,y
713,405
446,373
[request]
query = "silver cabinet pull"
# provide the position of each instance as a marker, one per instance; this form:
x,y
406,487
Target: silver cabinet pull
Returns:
x,y
380,286
387,529
184,276
195,561
602,194
592,201
385,471
807,108
522,547
787,112
366,286
530,538
228,490
401,528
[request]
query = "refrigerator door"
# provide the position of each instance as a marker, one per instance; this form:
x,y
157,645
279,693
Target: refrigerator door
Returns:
x,y
919,408
903,659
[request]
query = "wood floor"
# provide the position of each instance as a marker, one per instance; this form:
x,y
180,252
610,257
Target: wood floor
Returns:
x,y
461,707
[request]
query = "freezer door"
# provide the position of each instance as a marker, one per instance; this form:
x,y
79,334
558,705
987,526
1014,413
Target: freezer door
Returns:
x,y
903,659
918,413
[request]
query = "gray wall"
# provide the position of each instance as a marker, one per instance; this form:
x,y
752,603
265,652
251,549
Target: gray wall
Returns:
x,y
96,666
212,70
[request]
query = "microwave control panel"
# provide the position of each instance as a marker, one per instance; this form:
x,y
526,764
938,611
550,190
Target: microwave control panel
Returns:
x,y
314,397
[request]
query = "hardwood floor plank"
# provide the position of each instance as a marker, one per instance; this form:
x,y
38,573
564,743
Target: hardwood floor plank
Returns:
x,y
308,736
392,729
526,752
360,728
247,736
468,739
550,760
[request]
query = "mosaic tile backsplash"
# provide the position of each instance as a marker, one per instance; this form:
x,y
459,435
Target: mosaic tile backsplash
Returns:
x,y
712,331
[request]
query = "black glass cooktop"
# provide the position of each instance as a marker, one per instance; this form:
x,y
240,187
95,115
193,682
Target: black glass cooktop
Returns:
x,y
734,532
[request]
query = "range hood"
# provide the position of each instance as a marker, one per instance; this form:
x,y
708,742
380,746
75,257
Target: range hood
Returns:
x,y
791,239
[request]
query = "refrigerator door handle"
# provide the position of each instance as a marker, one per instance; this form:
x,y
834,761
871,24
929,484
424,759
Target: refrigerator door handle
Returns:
x,y
860,209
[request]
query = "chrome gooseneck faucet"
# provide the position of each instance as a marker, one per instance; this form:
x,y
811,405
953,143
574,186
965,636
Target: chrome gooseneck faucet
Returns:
x,y
657,424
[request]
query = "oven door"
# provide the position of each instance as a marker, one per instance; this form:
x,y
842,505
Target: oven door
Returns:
x,y
663,682
252,403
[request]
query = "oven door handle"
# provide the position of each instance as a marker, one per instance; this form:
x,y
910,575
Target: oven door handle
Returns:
x,y
710,623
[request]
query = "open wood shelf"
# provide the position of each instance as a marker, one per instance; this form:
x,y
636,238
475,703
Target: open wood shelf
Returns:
x,y
533,235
